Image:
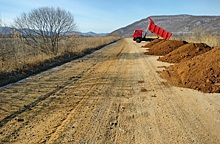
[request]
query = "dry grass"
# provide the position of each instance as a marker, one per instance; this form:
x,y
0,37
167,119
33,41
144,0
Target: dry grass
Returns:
x,y
16,55
210,40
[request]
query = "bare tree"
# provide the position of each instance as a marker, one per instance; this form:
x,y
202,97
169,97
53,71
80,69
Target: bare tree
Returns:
x,y
44,27
0,26
0,21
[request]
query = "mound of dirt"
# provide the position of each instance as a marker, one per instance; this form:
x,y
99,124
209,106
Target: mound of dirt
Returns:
x,y
165,47
202,72
185,52
149,45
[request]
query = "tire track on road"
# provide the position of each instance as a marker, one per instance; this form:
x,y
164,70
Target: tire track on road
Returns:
x,y
40,99
87,96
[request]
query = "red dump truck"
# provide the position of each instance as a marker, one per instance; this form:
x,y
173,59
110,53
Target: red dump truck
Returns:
x,y
138,33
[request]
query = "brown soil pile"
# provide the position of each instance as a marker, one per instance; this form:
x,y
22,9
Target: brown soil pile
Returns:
x,y
202,72
185,52
164,47
149,45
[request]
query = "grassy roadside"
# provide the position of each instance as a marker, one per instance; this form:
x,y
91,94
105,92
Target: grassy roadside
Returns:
x,y
18,61
210,40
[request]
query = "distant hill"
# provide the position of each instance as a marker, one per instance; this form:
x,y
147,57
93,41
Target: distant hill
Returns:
x,y
6,30
177,24
9,30
89,33
94,34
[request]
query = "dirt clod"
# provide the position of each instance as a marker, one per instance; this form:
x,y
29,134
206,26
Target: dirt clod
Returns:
x,y
143,89
20,119
113,124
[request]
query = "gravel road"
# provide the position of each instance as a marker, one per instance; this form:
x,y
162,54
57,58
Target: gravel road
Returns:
x,y
113,95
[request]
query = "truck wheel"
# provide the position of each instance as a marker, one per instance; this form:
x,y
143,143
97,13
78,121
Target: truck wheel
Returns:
x,y
138,40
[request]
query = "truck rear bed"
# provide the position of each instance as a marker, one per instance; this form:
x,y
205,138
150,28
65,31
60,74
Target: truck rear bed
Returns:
x,y
158,30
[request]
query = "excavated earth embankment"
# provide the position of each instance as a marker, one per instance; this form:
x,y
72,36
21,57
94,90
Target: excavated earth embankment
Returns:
x,y
163,47
185,52
197,65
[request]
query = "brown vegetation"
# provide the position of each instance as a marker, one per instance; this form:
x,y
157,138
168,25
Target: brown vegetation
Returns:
x,y
211,40
18,60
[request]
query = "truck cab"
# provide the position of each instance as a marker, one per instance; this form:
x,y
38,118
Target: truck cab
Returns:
x,y
137,35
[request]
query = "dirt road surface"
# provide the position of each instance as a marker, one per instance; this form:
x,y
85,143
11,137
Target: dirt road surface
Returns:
x,y
113,95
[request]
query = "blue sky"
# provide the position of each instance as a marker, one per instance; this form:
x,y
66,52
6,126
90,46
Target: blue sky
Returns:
x,y
108,15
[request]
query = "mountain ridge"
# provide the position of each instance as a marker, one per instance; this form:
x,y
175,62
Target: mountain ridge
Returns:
x,y
183,24
9,30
